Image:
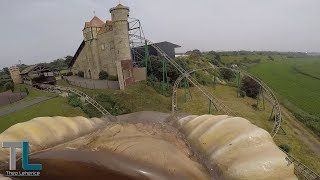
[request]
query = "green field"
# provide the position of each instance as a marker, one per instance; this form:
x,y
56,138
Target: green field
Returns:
x,y
296,83
57,106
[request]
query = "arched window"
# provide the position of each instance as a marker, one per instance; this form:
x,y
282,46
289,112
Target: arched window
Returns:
x,y
89,74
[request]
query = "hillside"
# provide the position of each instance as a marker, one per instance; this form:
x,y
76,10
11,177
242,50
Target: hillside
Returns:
x,y
291,135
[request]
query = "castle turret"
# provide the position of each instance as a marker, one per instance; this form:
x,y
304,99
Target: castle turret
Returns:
x,y
92,28
119,16
15,74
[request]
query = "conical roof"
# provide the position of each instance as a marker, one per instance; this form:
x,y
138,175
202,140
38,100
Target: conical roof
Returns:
x,y
95,22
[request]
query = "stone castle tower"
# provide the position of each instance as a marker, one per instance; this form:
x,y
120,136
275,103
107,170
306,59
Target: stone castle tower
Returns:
x,y
106,48
15,74
119,17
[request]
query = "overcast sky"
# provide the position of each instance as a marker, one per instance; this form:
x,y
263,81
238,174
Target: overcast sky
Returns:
x,y
36,31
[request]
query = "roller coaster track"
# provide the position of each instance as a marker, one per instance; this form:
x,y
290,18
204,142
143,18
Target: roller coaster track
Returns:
x,y
219,105
215,102
87,98
302,169
273,99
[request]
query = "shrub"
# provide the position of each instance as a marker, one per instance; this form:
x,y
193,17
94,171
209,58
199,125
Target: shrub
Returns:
x,y
242,93
74,100
111,105
103,75
204,78
227,74
285,147
161,88
91,111
26,90
250,86
81,74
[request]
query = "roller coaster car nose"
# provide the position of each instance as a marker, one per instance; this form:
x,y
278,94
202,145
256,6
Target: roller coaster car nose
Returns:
x,y
223,147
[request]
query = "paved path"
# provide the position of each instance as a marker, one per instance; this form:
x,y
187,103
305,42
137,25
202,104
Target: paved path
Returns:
x,y
23,105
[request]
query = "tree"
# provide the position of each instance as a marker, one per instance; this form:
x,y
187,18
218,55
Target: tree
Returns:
x,y
9,86
157,68
22,67
250,86
214,58
58,64
68,60
6,70
61,63
195,52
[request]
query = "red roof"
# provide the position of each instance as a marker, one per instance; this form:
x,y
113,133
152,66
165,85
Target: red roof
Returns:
x,y
95,22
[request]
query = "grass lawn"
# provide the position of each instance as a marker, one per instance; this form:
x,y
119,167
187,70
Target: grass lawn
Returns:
x,y
57,106
228,95
33,93
243,106
136,97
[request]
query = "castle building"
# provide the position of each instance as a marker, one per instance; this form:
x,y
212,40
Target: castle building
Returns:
x,y
105,47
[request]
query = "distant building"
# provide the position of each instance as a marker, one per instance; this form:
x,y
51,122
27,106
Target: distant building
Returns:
x,y
38,74
181,55
167,47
